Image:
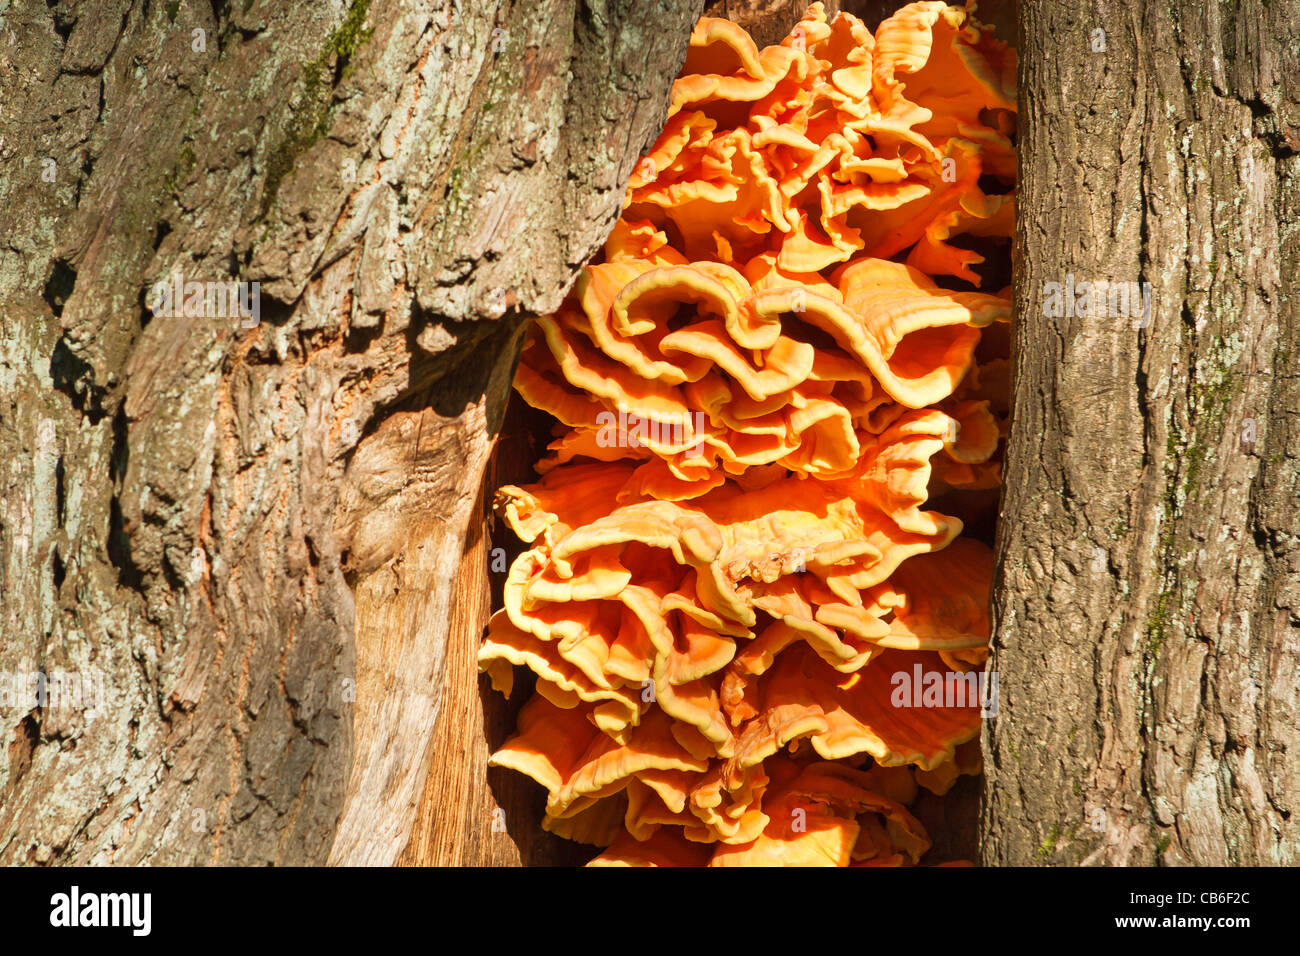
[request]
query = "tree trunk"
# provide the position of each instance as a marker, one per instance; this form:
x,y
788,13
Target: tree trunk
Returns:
x,y
232,549
1147,626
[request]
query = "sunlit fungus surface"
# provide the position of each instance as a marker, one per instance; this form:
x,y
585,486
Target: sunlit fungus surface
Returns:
x,y
754,617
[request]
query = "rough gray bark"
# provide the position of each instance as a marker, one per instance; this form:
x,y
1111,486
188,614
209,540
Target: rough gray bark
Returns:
x,y
1147,634
197,518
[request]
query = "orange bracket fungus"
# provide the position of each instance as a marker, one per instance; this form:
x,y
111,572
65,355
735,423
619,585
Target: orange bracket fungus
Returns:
x,y
746,593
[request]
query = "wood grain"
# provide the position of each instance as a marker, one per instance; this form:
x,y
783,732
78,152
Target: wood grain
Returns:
x,y
470,814
458,820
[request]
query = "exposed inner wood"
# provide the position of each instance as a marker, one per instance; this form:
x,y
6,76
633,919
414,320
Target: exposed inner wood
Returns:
x,y
470,814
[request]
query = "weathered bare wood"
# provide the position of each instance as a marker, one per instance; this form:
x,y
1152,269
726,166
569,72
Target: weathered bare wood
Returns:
x,y
188,504
470,814
1147,634
457,820
405,507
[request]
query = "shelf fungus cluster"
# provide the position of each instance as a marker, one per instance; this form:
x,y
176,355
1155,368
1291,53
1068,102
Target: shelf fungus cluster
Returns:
x,y
737,579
